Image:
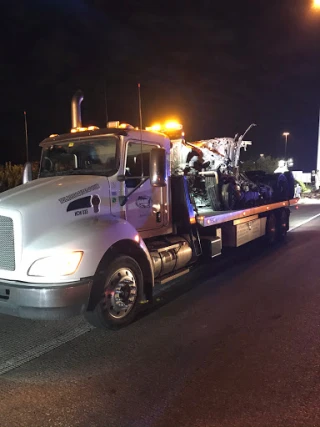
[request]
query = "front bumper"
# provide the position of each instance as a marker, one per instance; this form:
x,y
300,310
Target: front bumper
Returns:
x,y
45,302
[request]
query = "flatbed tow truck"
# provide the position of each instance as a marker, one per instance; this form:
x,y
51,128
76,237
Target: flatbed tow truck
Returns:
x,y
117,211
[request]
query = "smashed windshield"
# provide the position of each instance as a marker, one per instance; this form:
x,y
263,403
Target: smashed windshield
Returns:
x,y
92,156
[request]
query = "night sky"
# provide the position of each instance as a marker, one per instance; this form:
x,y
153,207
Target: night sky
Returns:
x,y
216,65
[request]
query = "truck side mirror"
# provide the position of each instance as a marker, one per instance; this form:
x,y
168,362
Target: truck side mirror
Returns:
x,y
27,173
158,167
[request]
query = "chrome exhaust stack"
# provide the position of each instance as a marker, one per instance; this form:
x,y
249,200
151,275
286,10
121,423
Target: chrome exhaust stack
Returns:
x,y
76,121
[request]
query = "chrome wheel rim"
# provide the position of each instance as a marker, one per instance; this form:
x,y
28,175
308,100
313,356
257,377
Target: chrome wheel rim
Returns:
x,y
120,293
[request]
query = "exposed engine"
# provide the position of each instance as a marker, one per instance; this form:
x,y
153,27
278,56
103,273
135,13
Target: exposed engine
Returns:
x,y
212,171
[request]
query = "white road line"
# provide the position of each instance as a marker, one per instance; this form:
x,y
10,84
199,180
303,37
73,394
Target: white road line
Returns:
x,y
44,348
304,222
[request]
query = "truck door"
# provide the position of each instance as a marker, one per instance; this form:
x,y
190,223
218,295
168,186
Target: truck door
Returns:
x,y
144,208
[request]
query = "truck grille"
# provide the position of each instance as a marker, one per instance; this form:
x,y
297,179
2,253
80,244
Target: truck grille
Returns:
x,y
7,258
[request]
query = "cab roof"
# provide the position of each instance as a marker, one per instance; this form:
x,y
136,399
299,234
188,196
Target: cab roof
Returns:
x,y
136,134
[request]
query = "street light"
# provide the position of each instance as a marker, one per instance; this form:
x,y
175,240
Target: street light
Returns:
x,y
286,134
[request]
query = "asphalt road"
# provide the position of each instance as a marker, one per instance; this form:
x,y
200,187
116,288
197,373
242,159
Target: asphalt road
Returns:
x,y
235,343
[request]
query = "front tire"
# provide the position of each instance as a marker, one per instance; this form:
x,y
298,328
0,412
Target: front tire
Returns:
x,y
118,298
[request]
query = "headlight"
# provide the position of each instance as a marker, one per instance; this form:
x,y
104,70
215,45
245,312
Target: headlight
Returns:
x,y
58,265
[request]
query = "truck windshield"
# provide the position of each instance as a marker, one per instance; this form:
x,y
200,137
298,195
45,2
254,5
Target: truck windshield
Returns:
x,y
95,156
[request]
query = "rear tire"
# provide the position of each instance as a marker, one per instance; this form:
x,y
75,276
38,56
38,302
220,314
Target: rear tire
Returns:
x,y
271,229
118,295
282,225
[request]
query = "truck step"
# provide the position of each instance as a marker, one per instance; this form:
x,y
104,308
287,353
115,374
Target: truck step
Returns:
x,y
170,277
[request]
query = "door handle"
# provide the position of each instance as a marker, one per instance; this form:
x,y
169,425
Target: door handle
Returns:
x,y
156,208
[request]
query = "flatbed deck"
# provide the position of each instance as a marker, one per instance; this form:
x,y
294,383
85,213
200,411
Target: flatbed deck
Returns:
x,y
207,217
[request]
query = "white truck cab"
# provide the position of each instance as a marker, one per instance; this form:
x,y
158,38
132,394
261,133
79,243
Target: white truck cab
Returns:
x,y
93,200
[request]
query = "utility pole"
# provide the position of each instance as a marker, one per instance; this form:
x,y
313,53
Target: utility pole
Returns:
x,y
26,133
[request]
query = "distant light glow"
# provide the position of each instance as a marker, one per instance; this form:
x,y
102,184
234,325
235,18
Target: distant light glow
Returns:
x,y
168,126
316,4
114,124
83,129
79,129
172,125
125,126
154,128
